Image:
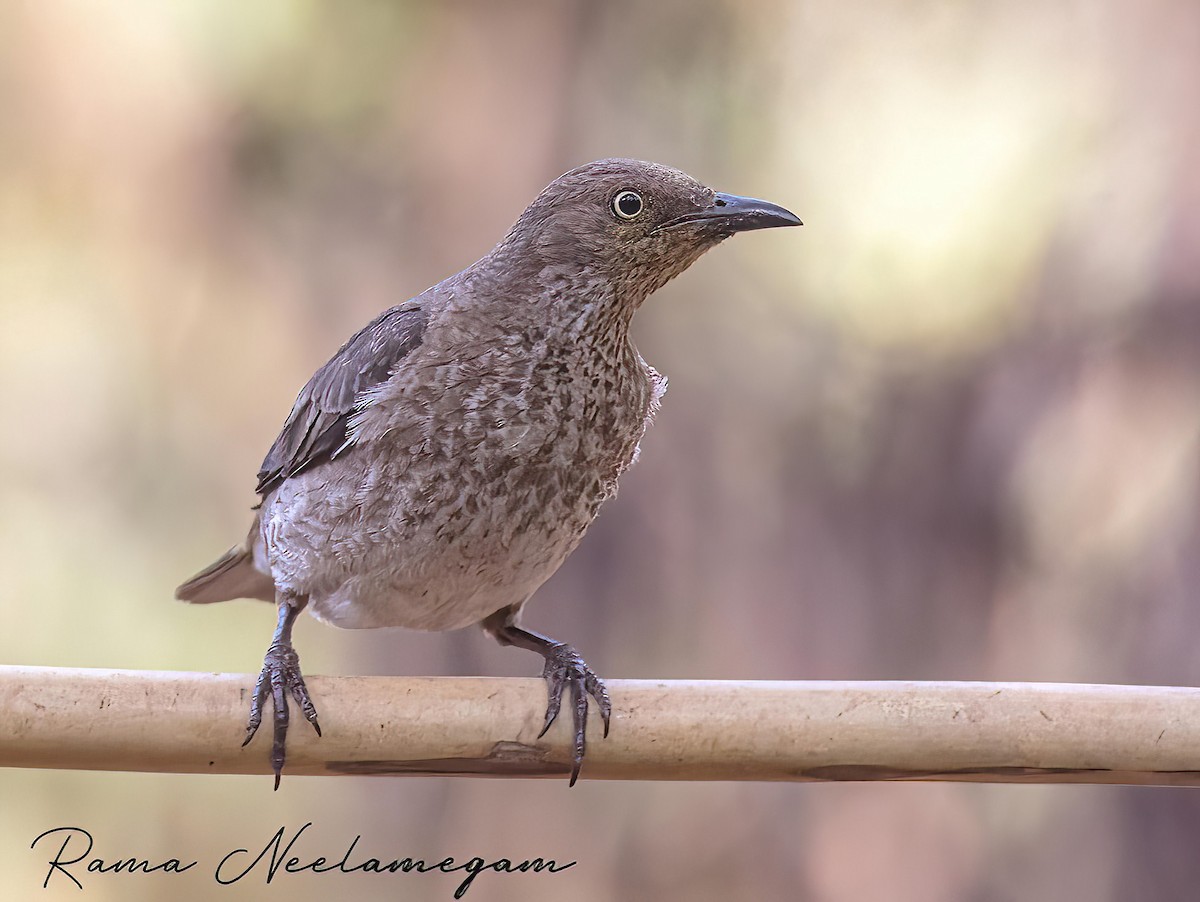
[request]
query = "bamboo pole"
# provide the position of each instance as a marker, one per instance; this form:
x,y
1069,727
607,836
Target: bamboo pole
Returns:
x,y
806,731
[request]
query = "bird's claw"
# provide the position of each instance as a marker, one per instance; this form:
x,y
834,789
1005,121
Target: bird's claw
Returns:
x,y
565,667
280,675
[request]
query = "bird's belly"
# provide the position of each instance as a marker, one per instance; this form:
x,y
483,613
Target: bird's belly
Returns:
x,y
433,553
441,583
437,524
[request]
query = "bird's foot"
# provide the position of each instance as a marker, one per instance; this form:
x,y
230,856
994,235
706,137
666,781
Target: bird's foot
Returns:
x,y
565,667
280,675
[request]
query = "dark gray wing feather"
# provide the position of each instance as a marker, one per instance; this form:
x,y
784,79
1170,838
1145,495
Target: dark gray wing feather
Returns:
x,y
316,428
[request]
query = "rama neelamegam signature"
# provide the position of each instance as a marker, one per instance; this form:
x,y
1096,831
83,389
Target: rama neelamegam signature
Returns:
x,y
73,846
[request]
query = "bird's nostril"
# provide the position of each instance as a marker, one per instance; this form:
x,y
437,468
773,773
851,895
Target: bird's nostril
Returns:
x,y
719,202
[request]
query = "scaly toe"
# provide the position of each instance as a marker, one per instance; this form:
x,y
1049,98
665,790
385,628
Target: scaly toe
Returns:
x,y
280,677
565,667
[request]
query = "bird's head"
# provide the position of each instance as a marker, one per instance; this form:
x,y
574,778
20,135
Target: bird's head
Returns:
x,y
634,224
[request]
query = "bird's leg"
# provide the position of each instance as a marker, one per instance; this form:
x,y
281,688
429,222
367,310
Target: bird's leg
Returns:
x,y
564,668
281,675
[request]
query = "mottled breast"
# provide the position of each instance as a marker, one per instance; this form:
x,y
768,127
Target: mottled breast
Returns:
x,y
488,472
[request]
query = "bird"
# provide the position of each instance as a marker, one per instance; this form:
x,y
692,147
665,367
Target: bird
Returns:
x,y
452,453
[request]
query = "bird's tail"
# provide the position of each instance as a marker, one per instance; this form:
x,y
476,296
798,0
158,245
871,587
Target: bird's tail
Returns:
x,y
233,575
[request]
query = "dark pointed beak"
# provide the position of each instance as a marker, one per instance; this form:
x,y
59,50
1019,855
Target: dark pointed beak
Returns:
x,y
733,213
745,213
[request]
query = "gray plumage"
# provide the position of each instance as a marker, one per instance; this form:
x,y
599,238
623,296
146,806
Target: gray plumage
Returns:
x,y
443,464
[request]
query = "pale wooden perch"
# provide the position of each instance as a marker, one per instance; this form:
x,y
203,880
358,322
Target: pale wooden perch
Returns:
x,y
984,732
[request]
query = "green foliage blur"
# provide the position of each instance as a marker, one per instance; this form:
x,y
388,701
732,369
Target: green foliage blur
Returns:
x,y
947,430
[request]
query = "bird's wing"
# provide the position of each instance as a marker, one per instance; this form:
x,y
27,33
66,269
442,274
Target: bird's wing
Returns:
x,y
316,429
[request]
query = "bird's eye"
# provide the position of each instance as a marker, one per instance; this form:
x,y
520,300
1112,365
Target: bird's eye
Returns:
x,y
627,205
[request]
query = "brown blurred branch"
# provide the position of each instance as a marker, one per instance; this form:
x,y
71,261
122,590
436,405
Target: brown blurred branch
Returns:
x,y
985,732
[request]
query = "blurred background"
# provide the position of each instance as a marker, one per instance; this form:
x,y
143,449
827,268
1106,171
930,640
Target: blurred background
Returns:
x,y
948,430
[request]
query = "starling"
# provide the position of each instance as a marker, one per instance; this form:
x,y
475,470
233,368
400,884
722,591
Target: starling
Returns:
x,y
447,459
